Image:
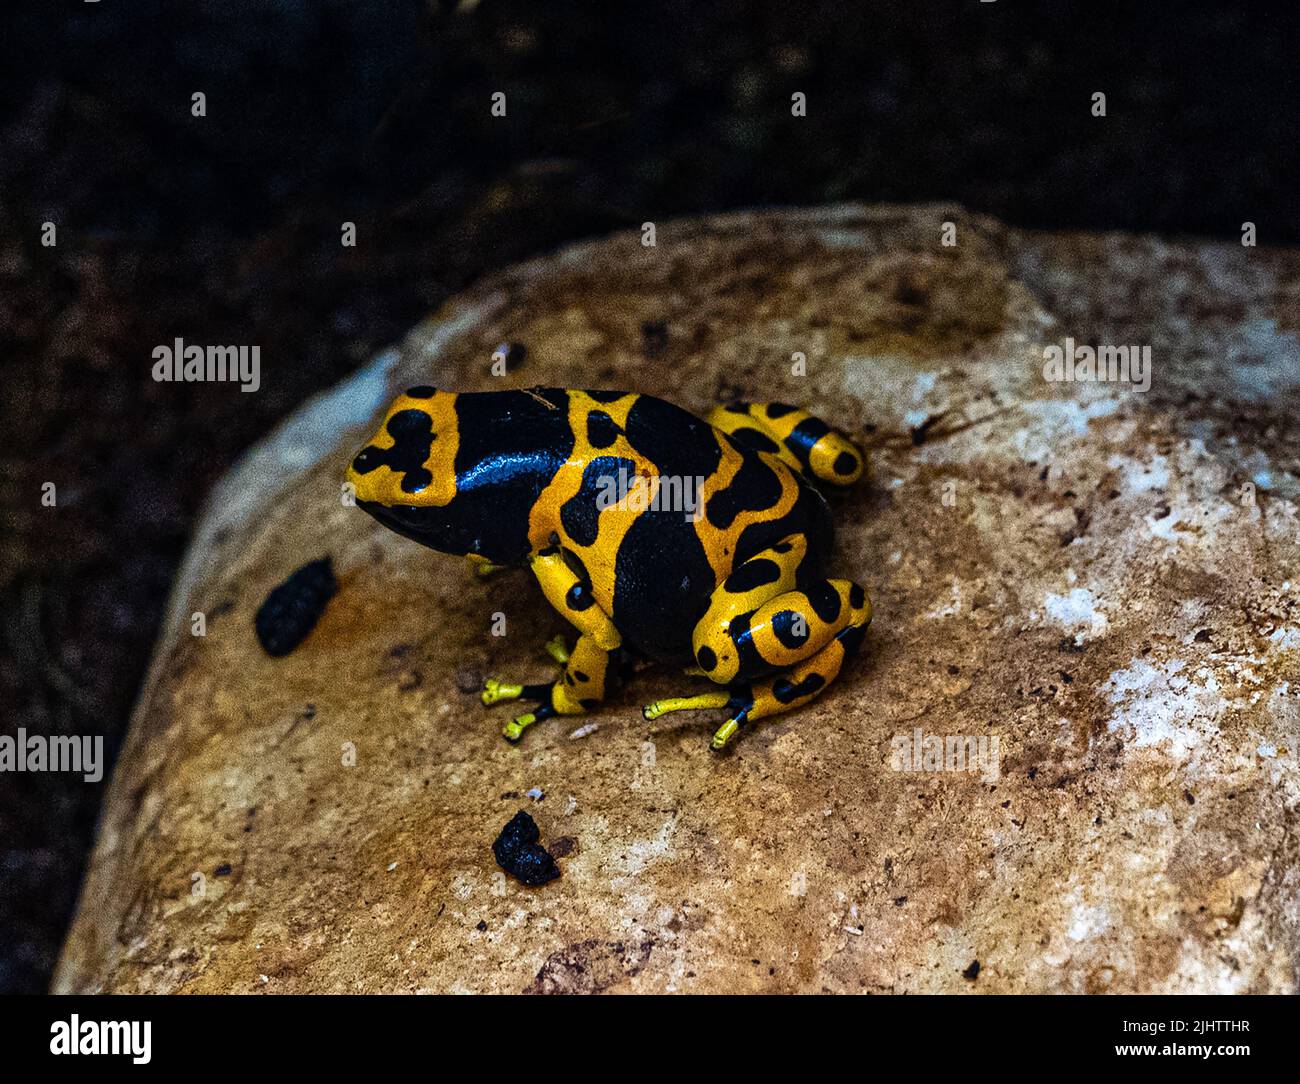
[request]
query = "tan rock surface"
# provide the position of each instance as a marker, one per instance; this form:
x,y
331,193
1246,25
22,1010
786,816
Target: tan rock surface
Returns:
x,y
1079,570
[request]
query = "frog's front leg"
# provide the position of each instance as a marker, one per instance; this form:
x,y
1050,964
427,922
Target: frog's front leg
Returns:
x,y
580,688
570,593
495,690
582,685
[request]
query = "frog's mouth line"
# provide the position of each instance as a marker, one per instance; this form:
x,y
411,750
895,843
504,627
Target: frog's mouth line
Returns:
x,y
433,526
401,517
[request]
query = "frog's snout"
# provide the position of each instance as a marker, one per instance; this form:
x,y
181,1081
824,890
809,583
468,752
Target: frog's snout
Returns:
x,y
389,476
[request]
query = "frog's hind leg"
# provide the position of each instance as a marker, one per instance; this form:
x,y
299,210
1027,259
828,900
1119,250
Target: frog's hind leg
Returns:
x,y
757,700
770,620
804,442
582,686
764,576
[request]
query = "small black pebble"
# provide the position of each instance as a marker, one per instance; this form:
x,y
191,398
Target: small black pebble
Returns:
x,y
520,830
972,972
481,926
654,337
519,854
534,866
291,610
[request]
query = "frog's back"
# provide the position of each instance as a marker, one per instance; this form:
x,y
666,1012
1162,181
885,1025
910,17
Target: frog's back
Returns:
x,y
719,504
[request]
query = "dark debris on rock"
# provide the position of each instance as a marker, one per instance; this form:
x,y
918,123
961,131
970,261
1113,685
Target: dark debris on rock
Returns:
x,y
520,855
292,609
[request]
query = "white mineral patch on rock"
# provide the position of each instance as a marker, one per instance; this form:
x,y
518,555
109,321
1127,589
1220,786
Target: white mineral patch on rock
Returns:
x,y
1163,705
1076,609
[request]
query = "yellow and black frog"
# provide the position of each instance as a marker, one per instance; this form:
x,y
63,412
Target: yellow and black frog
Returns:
x,y
700,544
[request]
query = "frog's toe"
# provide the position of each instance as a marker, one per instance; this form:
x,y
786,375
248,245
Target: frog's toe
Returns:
x,y
685,703
727,732
495,691
481,568
557,649
514,730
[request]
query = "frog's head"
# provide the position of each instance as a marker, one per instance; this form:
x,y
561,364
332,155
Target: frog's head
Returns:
x,y
405,475
461,473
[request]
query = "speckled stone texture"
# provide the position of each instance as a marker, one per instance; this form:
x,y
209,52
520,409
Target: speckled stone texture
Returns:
x,y
1103,580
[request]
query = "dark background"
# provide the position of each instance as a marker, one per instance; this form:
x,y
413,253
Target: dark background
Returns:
x,y
226,229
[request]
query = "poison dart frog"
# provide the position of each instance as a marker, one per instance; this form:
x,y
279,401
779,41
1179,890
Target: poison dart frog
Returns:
x,y
700,544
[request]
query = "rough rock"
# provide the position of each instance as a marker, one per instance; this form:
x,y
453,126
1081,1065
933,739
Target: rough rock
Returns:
x,y
1102,579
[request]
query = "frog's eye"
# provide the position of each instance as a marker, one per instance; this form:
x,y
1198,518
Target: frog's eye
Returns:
x,y
422,391
367,459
